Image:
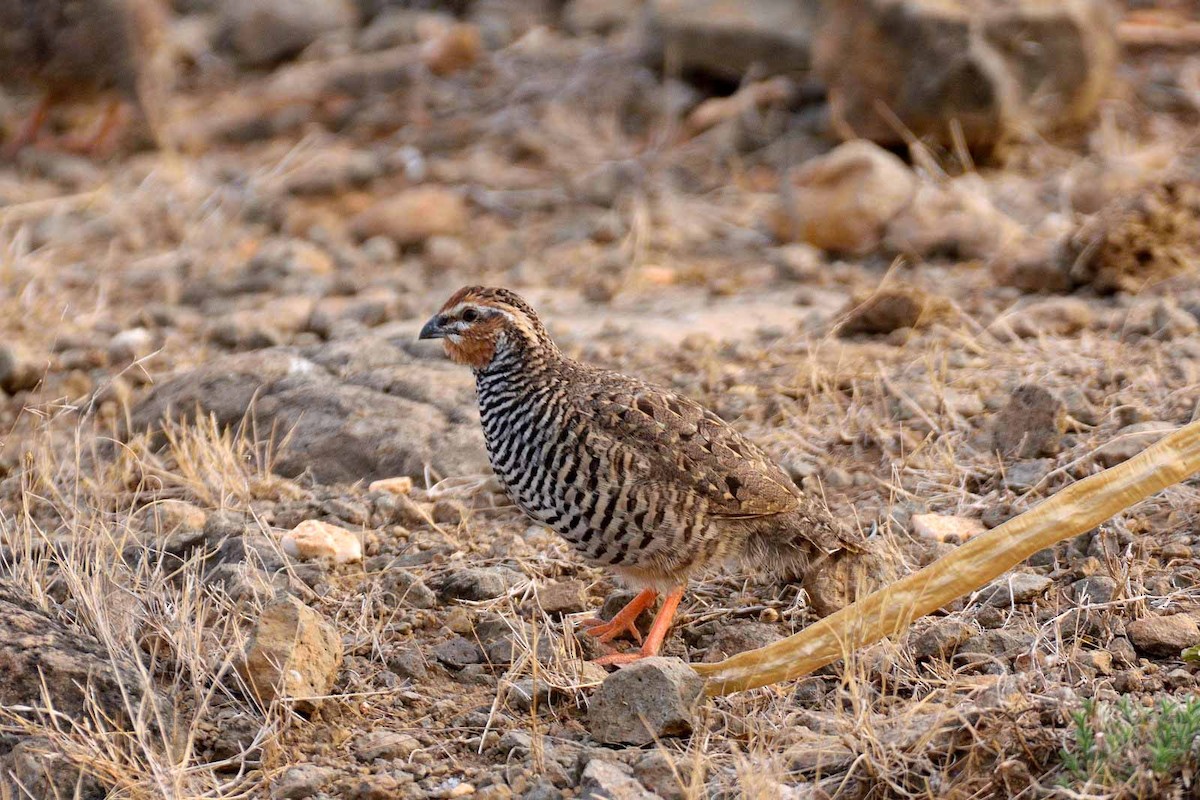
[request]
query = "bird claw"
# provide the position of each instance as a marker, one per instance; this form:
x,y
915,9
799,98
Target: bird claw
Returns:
x,y
607,631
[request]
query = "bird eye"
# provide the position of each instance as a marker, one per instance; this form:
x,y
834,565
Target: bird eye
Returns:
x,y
470,315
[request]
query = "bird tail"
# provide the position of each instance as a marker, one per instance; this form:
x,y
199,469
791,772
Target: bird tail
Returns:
x,y
833,565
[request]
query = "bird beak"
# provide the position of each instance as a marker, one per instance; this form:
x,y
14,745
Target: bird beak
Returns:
x,y
433,328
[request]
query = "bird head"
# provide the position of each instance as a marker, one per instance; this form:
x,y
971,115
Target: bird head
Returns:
x,y
478,323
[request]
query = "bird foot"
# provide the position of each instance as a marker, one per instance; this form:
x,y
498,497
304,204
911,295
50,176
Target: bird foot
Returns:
x,y
607,631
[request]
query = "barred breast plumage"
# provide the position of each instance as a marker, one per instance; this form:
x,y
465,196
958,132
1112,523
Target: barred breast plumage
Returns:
x,y
634,476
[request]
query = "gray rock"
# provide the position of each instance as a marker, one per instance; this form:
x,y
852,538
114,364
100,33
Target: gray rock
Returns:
x,y
1164,636
387,745
407,661
1132,440
990,67
563,597
607,780
725,39
35,768
666,777
738,637
264,32
351,410
41,656
1024,475
647,700
941,639
1093,590
301,781
1031,425
478,583
458,652
408,589
1015,587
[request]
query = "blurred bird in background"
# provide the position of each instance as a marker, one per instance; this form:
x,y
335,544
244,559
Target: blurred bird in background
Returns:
x,y
86,51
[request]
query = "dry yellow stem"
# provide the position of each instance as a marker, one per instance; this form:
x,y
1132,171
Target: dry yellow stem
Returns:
x,y
1077,508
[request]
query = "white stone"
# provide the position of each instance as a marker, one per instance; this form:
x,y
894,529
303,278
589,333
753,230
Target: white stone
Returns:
x,y
315,539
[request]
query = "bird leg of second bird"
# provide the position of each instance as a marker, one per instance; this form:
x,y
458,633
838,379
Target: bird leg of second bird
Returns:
x,y
623,622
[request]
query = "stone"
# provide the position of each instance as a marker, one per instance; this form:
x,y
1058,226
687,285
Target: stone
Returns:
x,y
1055,316
1132,440
941,639
35,767
407,661
645,701
738,637
563,597
414,215
666,777
1024,475
890,309
400,485
458,652
405,587
478,583
316,539
1013,588
301,781
386,745
1030,425
607,780
166,517
42,659
725,39
1093,590
292,653
264,32
843,201
19,370
943,528
130,345
897,68
340,412
1163,636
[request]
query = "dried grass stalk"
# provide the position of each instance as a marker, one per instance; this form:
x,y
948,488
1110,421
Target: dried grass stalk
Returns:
x,y
1074,510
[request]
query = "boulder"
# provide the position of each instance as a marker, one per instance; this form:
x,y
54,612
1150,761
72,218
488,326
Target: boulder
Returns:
x,y
341,412
991,68
292,653
1164,636
646,701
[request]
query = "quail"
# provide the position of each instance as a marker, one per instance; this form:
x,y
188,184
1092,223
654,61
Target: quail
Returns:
x,y
82,49
636,477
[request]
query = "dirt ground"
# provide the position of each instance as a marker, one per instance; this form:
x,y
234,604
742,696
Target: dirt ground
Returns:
x,y
268,248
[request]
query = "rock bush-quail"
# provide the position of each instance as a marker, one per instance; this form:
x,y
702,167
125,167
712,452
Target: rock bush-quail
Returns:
x,y
635,477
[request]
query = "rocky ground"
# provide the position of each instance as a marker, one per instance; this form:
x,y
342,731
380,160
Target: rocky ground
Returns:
x,y
248,543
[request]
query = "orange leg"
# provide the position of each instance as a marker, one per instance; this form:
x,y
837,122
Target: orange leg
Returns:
x,y
29,131
623,621
102,141
656,636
